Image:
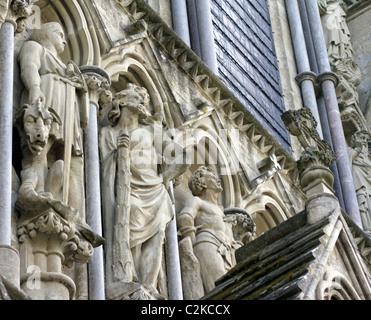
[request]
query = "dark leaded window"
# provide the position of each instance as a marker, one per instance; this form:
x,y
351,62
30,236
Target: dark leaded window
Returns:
x,y
247,60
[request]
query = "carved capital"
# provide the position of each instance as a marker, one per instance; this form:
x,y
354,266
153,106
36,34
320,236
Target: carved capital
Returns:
x,y
61,236
332,76
311,76
98,82
19,11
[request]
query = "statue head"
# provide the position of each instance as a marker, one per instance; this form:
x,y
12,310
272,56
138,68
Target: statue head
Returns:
x,y
360,139
133,97
51,36
35,121
204,178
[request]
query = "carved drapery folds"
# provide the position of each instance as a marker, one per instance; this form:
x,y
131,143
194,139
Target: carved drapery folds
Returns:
x,y
341,58
52,229
155,79
360,160
136,204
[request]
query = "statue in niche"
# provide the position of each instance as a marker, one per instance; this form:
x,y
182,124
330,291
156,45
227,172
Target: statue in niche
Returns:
x,y
60,89
210,229
52,117
340,50
360,160
136,203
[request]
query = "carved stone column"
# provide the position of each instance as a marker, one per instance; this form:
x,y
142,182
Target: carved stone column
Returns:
x,y
98,84
180,19
49,241
172,254
320,100
305,77
18,11
328,81
206,35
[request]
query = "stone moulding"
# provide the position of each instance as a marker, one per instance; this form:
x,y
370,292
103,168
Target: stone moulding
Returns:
x,y
208,83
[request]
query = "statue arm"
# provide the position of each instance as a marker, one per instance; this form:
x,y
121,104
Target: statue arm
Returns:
x,y
185,219
29,60
27,194
353,153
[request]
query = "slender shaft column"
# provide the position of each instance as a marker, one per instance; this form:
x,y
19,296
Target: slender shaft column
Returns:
x,y
96,264
6,127
12,12
96,79
328,81
206,34
180,20
305,78
193,27
327,137
320,101
173,260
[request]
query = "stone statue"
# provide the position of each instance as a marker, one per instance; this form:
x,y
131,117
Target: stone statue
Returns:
x,y
340,50
136,203
61,90
4,6
50,121
209,229
360,160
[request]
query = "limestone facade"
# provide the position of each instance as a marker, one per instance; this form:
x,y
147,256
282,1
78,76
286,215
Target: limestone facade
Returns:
x,y
128,164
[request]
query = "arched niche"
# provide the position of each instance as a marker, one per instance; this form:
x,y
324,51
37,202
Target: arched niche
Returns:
x,y
75,17
125,66
204,148
83,46
267,211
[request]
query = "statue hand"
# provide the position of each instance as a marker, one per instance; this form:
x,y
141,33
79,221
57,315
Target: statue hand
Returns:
x,y
45,196
35,95
166,183
123,140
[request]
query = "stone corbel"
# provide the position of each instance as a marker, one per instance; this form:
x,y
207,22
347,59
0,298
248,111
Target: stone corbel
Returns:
x,y
313,165
48,242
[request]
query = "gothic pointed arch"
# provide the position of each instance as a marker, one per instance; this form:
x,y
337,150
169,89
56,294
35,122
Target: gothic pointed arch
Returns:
x,y
75,16
129,67
210,148
267,210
